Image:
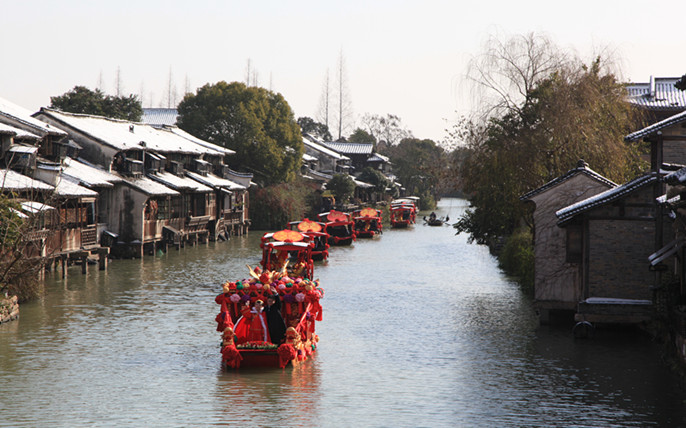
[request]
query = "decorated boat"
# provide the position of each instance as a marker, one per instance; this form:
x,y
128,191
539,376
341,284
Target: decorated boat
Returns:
x,y
339,226
268,318
368,222
316,232
403,213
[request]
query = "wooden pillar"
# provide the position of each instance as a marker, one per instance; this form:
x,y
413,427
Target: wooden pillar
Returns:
x,y
102,258
84,263
63,260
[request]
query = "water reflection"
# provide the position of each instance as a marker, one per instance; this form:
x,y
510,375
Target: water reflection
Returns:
x,y
420,329
288,397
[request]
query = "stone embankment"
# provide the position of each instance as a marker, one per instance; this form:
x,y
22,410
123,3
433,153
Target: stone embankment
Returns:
x,y
9,309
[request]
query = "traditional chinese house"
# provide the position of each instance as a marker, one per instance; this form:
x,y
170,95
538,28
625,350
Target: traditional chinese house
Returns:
x,y
557,283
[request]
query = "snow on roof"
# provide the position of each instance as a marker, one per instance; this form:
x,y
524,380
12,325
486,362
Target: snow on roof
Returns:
x,y
581,168
179,183
35,207
323,149
215,181
20,148
567,213
180,132
150,187
125,135
89,175
362,184
378,158
16,115
655,127
308,158
17,132
13,181
68,187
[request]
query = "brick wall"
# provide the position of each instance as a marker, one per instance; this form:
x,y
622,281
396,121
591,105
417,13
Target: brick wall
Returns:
x,y
619,251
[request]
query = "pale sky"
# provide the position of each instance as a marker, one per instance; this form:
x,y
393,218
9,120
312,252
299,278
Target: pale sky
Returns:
x,y
406,58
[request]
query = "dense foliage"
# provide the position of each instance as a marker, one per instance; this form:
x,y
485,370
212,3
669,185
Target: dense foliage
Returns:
x,y
273,207
375,178
342,186
575,112
318,130
19,274
83,100
254,122
419,166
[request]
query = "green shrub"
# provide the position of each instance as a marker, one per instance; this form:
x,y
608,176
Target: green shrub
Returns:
x,y
273,207
517,258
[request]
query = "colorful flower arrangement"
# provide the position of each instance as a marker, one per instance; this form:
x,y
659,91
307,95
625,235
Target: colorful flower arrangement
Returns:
x,y
257,345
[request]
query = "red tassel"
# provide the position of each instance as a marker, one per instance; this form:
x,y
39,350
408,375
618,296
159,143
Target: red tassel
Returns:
x,y
231,356
286,353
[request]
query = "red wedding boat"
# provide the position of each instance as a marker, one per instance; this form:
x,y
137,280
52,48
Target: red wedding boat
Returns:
x,y
339,226
403,213
368,222
316,232
285,278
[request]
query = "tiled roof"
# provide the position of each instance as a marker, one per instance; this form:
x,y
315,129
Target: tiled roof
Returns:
x,y
20,133
215,181
180,132
320,147
15,115
658,94
567,213
676,177
125,135
351,148
160,116
150,187
582,168
649,130
13,181
68,187
89,175
378,158
179,183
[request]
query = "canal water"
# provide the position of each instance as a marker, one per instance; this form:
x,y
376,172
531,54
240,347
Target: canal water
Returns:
x,y
420,329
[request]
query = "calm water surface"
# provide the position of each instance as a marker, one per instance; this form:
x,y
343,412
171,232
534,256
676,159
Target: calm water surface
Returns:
x,y
420,329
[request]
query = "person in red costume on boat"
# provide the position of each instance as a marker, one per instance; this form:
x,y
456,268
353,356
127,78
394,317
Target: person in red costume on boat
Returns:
x,y
252,326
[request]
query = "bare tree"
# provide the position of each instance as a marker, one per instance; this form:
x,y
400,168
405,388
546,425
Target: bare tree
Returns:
x,y
386,130
344,110
187,85
251,74
506,72
171,90
101,83
117,83
324,101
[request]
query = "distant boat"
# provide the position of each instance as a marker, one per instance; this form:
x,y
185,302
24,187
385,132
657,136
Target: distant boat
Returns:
x,y
368,222
403,212
436,221
316,232
339,226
